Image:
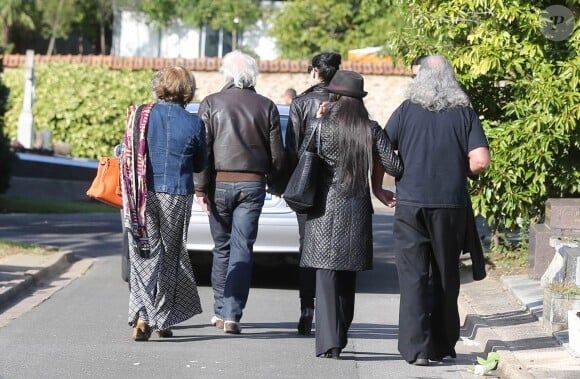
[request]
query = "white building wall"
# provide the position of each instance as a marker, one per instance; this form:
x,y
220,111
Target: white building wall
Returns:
x,y
179,41
257,39
134,37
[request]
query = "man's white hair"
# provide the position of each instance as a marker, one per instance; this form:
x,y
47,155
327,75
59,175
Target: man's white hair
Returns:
x,y
435,88
240,68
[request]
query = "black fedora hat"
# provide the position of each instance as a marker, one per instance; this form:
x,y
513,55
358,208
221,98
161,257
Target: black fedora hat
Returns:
x,y
347,83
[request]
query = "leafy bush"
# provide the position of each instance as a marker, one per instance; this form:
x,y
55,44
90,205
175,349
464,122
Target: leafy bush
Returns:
x,y
83,105
5,154
523,85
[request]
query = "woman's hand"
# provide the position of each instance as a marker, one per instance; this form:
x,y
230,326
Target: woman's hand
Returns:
x,y
204,204
322,109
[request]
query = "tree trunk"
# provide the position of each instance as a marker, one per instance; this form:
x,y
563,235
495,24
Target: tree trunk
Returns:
x,y
496,240
54,26
103,42
81,45
5,35
50,46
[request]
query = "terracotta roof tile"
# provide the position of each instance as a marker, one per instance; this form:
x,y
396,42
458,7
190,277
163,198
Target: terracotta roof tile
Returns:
x,y
203,64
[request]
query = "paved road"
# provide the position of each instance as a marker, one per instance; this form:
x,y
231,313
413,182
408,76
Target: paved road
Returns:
x,y
82,331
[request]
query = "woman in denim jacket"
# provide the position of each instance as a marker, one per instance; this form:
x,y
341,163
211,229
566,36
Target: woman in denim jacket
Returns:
x,y
163,146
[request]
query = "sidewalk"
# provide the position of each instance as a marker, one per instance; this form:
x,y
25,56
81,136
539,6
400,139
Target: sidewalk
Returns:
x,y
499,315
504,316
22,272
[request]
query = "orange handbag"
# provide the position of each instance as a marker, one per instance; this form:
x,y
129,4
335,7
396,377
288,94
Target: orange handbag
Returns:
x,y
106,186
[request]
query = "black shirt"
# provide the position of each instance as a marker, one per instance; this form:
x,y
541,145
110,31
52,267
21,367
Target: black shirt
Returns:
x,y
434,148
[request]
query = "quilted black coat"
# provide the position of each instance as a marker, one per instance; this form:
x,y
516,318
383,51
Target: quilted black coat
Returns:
x,y
338,231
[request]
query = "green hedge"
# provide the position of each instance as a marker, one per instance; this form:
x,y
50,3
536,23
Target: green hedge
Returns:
x,y
83,105
5,154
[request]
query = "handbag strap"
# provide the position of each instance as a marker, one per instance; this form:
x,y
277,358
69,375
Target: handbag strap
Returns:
x,y
317,131
318,136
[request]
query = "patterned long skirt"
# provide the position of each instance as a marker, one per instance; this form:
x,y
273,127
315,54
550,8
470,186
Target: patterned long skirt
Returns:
x,y
163,288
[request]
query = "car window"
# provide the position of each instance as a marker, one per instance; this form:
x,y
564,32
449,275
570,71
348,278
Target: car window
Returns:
x,y
284,125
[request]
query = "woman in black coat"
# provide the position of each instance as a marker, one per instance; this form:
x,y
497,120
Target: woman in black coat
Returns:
x,y
338,236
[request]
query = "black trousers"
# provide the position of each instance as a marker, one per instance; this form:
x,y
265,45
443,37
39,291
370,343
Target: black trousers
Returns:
x,y
306,275
428,242
335,292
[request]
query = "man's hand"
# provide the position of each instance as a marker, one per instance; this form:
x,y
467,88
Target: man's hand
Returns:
x,y
204,204
479,159
386,197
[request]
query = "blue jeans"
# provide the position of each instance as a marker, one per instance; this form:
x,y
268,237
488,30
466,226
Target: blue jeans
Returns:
x,y
236,208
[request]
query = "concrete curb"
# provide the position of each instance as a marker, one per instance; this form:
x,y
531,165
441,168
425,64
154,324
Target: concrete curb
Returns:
x,y
479,330
32,277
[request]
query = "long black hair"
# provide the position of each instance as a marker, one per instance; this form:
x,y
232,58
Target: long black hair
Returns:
x,y
354,143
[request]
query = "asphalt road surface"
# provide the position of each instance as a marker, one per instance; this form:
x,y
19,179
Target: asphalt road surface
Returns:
x,y
81,331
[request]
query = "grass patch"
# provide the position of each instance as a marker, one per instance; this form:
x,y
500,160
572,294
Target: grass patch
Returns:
x,y
513,258
508,253
564,288
507,262
16,204
8,247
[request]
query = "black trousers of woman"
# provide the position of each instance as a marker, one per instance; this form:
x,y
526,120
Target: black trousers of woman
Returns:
x,y
306,275
428,242
335,292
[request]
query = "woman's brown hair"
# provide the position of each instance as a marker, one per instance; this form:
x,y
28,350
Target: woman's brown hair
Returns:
x,y
175,84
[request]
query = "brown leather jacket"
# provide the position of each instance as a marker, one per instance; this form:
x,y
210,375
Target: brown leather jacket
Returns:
x,y
243,135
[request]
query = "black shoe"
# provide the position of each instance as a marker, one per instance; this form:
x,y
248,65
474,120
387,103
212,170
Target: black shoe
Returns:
x,y
421,362
305,322
333,353
443,357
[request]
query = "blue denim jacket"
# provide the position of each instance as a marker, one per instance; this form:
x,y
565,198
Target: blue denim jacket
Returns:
x,y
177,149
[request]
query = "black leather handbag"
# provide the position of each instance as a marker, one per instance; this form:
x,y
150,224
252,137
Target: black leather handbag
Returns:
x,y
301,188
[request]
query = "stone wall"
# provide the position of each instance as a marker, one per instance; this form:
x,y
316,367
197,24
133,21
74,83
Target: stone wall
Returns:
x,y
386,92
385,81
562,222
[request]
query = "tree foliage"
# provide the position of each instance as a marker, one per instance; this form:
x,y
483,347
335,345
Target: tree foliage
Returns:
x,y
524,86
306,27
52,19
13,12
95,17
225,14
217,14
58,16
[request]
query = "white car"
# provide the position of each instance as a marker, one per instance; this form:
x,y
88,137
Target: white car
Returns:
x,y
277,230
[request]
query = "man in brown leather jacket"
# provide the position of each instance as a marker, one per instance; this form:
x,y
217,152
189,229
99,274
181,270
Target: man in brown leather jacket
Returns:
x,y
244,141
302,110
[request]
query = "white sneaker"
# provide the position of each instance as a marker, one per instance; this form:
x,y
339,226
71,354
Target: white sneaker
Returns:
x,y
232,327
217,322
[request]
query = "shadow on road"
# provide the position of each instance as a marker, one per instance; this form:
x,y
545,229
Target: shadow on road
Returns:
x,y
269,270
